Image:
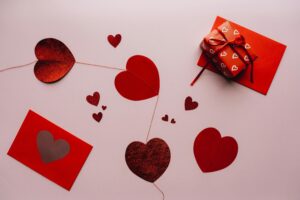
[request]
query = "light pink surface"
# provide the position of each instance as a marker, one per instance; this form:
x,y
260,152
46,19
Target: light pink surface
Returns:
x,y
168,32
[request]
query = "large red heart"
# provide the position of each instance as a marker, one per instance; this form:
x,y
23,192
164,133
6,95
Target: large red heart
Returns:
x,y
148,161
212,152
55,60
140,81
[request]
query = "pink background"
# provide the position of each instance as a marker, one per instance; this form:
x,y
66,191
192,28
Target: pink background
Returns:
x,y
168,32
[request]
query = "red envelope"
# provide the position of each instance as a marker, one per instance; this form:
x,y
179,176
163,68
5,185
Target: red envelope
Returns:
x,y
49,150
269,54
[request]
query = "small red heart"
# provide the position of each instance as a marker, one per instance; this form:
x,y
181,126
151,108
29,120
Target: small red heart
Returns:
x,y
93,99
165,118
148,161
140,81
173,121
212,152
190,104
55,60
114,40
98,116
104,107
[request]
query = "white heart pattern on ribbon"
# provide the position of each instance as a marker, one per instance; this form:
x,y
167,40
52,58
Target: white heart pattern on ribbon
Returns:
x,y
234,68
223,54
247,46
234,56
223,66
224,29
246,58
211,51
236,32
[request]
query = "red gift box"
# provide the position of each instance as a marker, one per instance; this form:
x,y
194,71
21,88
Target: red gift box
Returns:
x,y
228,50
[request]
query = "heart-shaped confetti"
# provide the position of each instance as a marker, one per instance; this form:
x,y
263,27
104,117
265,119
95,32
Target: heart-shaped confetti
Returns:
x,y
98,116
50,149
173,121
55,60
93,99
213,152
148,161
114,40
104,107
189,104
140,81
165,118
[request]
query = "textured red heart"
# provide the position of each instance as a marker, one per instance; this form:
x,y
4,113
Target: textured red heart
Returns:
x,y
212,152
148,161
140,81
98,116
55,60
190,104
114,40
93,99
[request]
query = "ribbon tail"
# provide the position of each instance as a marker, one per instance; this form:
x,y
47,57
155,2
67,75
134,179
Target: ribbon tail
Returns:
x,y
199,74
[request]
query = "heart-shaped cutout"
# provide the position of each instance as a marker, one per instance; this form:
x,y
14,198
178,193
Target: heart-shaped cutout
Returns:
x,y
189,104
50,149
140,81
148,161
98,116
114,40
165,118
213,152
55,60
93,99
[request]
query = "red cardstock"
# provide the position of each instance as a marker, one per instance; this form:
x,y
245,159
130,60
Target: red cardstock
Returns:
x,y
269,54
28,149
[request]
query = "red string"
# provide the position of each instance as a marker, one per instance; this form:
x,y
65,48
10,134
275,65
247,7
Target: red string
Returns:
x,y
159,190
199,74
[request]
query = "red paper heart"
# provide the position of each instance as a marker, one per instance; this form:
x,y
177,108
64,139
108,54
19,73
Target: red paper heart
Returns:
x,y
165,118
140,81
190,104
173,121
212,152
98,116
114,40
93,99
148,161
104,107
55,60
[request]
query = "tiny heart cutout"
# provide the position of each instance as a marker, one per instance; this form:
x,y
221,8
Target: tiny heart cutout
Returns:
x,y
93,99
98,116
50,149
190,104
140,81
173,121
148,161
212,152
55,60
165,118
104,107
114,40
